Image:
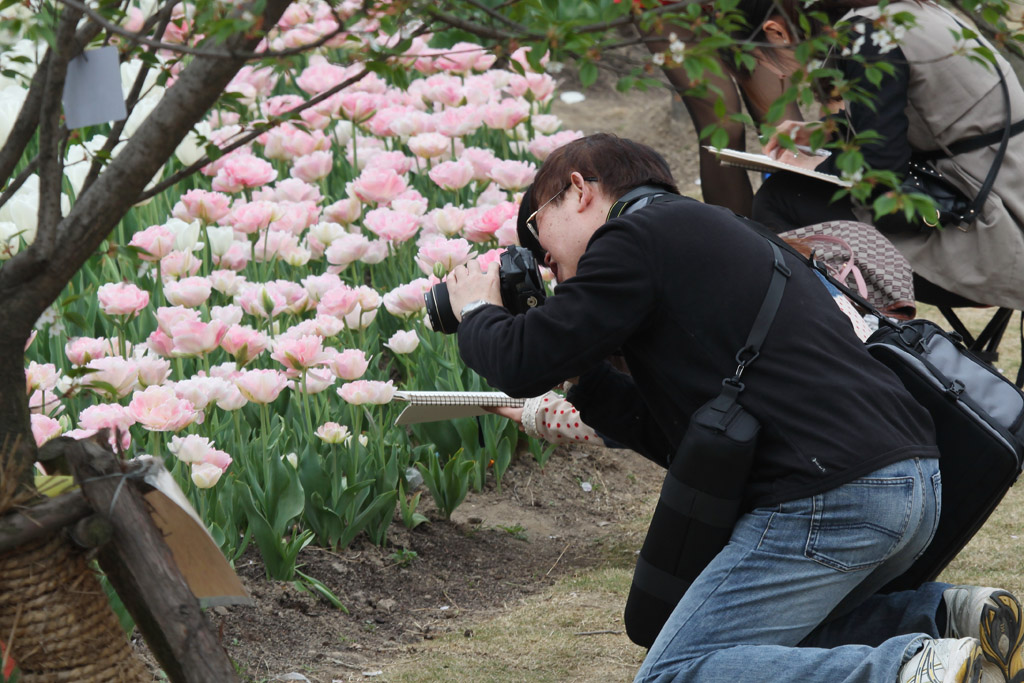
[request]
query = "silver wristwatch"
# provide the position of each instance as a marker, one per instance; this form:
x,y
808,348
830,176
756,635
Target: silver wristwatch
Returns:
x,y
472,306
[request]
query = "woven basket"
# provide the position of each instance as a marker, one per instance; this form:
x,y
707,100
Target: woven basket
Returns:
x,y
56,620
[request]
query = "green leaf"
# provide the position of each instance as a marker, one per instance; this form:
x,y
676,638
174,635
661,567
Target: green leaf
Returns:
x,y
588,74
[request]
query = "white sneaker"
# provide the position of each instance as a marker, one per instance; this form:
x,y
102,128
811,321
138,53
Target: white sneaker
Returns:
x,y
946,660
993,616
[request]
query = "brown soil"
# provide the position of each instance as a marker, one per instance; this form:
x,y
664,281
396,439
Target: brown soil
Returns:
x,y
499,547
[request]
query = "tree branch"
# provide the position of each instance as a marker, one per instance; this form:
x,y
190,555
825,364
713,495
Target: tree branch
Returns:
x,y
51,158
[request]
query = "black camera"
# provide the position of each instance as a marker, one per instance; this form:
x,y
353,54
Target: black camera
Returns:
x,y
518,278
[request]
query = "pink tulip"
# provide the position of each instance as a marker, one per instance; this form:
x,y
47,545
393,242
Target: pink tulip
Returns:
x,y
261,386
160,343
244,343
40,376
344,211
193,338
403,341
367,391
327,326
482,159
407,300
542,146
513,175
229,315
110,416
448,220
122,299
315,381
44,428
252,216
458,122
318,285
201,391
313,167
274,244
378,185
206,475
396,161
189,291
296,217
489,258
338,302
411,202
413,123
332,432
444,89
359,106
429,145
542,86
261,301
460,58
299,354
191,448
217,458
452,175
545,124
319,76
153,371
505,115
158,409
295,296
179,264
288,142
376,252
236,257
488,223
520,57
154,242
292,190
208,207
112,375
242,172
45,402
81,350
394,226
169,316
350,364
442,253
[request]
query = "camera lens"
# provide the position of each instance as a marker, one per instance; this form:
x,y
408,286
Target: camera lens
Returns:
x,y
439,309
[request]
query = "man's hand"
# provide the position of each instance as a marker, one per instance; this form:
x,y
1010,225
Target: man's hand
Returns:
x,y
797,131
469,283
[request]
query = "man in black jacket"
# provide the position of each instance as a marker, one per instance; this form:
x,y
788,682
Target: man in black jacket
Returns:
x,y
844,487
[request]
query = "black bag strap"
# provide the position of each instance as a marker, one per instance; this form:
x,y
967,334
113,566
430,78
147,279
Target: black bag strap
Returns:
x,y
751,350
973,143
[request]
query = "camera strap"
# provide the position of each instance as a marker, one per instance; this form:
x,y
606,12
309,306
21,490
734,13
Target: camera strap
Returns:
x,y
722,405
635,199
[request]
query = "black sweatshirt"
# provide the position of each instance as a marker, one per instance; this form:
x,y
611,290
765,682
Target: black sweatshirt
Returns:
x,y
676,287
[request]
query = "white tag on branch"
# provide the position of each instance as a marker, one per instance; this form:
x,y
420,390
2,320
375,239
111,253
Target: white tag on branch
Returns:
x,y
92,89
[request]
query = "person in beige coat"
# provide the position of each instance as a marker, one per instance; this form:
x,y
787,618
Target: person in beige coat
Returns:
x,y
935,97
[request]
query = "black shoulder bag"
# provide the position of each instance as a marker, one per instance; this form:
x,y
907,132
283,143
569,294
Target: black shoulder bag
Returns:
x,y
702,494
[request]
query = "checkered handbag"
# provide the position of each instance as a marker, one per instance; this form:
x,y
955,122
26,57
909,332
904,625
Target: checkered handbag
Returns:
x,y
863,259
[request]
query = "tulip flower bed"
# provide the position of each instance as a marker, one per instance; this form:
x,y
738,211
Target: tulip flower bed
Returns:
x,y
251,325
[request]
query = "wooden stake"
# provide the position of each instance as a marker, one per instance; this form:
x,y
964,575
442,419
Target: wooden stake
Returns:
x,y
142,571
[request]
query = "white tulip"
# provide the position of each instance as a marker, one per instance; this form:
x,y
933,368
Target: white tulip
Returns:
x,y
10,240
192,148
221,238
186,235
11,99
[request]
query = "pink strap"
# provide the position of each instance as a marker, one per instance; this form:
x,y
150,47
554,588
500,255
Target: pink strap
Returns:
x,y
848,267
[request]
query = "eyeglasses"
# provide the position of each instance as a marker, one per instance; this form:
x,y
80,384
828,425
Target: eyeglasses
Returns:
x,y
531,221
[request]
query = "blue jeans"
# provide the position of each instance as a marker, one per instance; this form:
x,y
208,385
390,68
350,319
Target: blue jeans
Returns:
x,y
792,597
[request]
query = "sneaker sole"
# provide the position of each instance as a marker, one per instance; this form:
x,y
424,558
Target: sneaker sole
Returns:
x,y
1002,636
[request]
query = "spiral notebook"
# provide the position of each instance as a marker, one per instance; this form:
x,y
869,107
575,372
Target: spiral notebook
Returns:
x,y
762,162
433,406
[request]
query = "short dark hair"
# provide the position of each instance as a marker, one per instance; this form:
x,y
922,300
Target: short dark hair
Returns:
x,y
618,164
